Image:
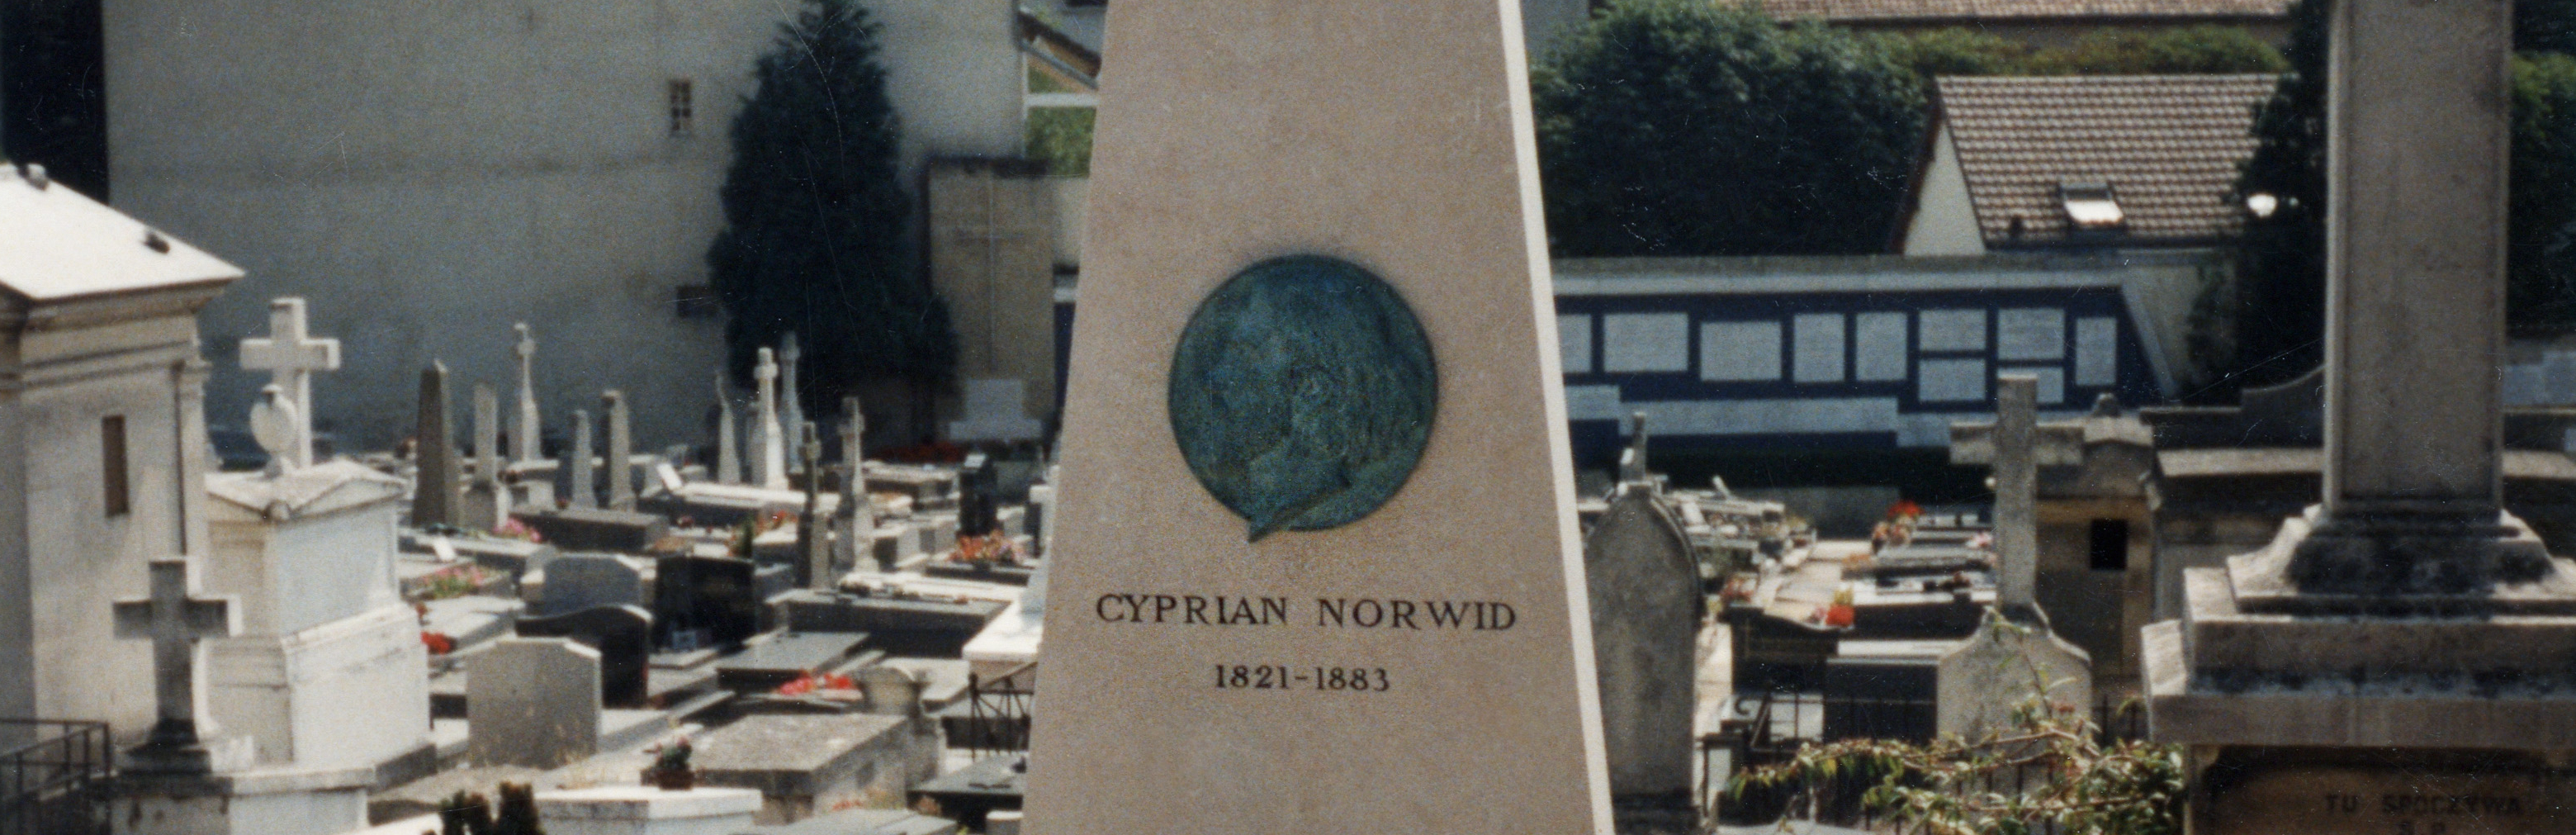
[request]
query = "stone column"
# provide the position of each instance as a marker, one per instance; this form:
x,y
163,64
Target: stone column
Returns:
x,y
728,438
769,444
487,437
2016,473
189,475
585,488
810,550
433,499
791,403
621,453
855,520
526,439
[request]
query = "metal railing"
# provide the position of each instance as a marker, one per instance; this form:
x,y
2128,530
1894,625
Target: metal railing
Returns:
x,y
57,777
998,712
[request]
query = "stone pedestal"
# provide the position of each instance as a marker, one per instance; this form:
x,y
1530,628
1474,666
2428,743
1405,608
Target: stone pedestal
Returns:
x,y
642,810
267,802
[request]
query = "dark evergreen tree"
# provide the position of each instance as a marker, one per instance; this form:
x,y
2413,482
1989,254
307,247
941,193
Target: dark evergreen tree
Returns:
x,y
2279,304
817,233
1684,127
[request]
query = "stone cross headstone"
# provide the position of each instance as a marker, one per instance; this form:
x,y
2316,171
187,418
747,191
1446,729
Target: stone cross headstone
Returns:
x,y
174,620
728,439
1287,641
585,482
814,560
532,702
434,491
489,504
1643,579
525,438
855,519
621,452
2016,474
791,403
291,357
2346,677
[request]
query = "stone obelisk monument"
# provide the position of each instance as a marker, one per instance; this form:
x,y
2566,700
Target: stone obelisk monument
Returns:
x,y
1315,380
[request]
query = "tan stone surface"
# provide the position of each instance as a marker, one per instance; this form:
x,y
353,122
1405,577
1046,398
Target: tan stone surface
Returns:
x,y
1396,136
2397,800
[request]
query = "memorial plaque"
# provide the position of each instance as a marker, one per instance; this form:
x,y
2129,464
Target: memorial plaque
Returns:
x,y
1426,664
2395,801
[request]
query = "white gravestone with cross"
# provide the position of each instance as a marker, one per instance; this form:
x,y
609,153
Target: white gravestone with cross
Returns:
x,y
291,357
791,405
728,438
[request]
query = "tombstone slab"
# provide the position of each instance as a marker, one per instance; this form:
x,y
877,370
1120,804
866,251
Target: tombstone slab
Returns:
x,y
804,764
643,810
623,636
597,529
574,582
704,602
533,702
1477,712
1646,607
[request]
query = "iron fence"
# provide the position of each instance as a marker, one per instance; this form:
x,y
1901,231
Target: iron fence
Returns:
x,y
58,777
997,712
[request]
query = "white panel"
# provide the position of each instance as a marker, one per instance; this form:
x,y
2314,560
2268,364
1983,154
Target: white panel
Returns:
x,y
1574,342
1769,416
1739,351
1645,342
2052,382
2097,351
1878,346
1593,403
1819,345
1950,380
2030,333
1953,330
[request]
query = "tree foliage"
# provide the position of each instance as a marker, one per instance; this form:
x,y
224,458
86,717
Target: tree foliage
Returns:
x,y
1061,138
2046,770
2107,51
2279,300
816,236
1684,127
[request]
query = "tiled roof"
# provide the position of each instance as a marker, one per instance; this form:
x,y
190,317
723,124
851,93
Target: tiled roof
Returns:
x,y
2169,145
1845,11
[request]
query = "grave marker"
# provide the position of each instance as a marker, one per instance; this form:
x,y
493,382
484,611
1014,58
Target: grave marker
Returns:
x,y
525,439
174,621
489,505
1323,663
291,357
581,581
585,487
791,406
623,635
1644,584
728,439
703,602
434,492
532,702
768,442
621,452
2016,492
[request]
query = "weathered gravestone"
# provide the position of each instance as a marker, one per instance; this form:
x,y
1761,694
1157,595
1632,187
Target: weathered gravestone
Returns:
x,y
1982,683
704,602
1646,608
623,636
978,498
582,581
434,498
816,763
1316,567
532,702
597,529
2396,661
584,484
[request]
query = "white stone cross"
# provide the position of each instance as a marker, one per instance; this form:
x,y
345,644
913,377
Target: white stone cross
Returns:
x,y
524,438
2016,471
291,357
175,621
769,466
791,404
728,439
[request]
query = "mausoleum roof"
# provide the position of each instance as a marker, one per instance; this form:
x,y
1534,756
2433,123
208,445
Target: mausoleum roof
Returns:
x,y
57,243
331,485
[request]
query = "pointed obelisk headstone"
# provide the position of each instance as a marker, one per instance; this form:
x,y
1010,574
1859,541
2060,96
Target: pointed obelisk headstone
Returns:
x,y
433,500
1380,245
621,452
769,444
791,404
585,486
728,438
525,443
2016,493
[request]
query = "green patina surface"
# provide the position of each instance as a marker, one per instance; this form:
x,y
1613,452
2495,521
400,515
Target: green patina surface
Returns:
x,y
1302,394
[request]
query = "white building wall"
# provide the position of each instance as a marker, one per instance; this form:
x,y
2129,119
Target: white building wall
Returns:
x,y
429,171
1944,223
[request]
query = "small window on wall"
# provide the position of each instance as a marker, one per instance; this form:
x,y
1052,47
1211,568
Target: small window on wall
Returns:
x,y
111,435
2109,545
683,106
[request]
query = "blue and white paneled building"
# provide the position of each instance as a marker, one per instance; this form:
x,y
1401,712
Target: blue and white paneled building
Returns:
x,y
1861,351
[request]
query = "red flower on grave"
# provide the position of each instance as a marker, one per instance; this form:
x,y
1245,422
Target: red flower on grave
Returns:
x,y
439,643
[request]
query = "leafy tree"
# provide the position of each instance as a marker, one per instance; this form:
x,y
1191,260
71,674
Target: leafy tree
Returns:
x,y
1061,138
2197,49
1956,51
1683,127
816,236
2047,770
2279,301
